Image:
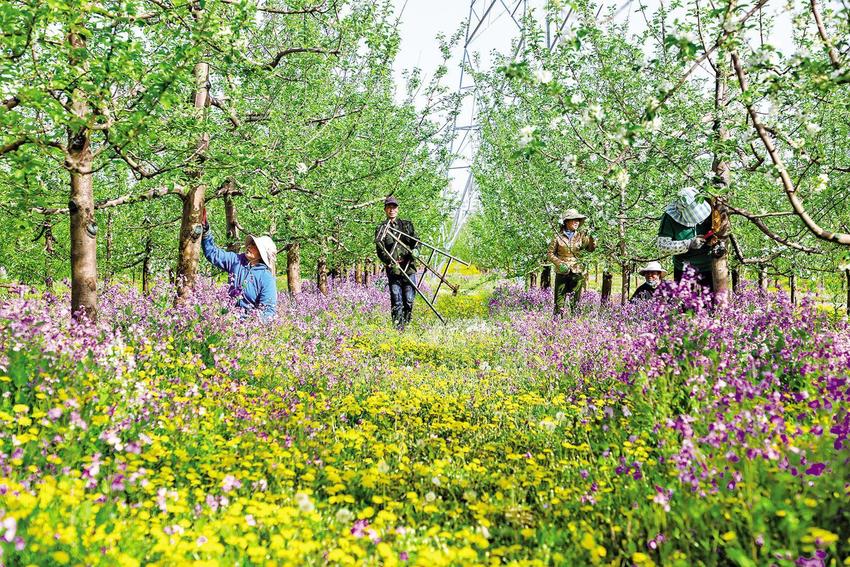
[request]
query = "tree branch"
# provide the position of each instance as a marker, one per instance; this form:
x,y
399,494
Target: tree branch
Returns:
x,y
749,261
701,58
787,184
756,220
12,146
118,201
833,54
293,50
325,120
11,102
219,104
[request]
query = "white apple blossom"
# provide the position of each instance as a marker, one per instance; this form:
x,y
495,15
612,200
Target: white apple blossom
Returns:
x,y
543,76
526,134
813,128
622,178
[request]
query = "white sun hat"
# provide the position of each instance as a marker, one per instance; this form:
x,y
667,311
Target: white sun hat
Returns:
x,y
653,267
267,248
573,214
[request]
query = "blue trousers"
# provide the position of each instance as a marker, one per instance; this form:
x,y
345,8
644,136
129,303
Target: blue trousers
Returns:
x,y
402,295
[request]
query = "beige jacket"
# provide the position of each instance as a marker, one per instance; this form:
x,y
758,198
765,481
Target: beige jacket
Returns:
x,y
565,251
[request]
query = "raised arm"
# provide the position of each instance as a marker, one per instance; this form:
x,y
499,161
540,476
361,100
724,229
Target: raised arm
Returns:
x,y
667,245
218,257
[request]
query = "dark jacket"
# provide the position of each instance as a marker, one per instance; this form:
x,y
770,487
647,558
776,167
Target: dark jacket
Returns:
x,y
389,249
643,293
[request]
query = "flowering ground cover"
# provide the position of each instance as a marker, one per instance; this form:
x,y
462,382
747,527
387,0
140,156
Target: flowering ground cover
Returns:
x,y
657,434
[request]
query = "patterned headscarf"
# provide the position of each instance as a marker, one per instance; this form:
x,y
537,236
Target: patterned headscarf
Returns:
x,y
686,210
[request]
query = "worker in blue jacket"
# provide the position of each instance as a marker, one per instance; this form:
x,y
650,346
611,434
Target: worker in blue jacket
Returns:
x,y
251,274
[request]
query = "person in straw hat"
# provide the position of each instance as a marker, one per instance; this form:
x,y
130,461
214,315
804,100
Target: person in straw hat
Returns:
x,y
653,273
564,252
684,226
251,274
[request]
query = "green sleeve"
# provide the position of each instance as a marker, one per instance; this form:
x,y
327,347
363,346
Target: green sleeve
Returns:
x,y
667,228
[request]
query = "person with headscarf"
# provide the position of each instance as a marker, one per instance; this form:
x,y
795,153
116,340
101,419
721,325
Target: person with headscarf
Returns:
x,y
251,274
684,226
564,252
653,273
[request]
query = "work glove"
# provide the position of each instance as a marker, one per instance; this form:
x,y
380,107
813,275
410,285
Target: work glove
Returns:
x,y
204,222
563,268
696,243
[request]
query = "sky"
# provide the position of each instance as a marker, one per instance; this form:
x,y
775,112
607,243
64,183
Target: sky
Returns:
x,y
422,20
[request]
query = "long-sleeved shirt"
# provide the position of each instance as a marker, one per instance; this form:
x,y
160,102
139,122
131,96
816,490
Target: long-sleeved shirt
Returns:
x,y
254,287
389,250
675,238
564,251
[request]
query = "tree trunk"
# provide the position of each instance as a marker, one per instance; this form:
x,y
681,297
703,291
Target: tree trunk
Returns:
x,y
231,220
720,275
763,278
49,249
146,266
293,268
546,277
607,284
722,177
621,245
190,224
532,280
792,283
625,285
79,161
109,245
322,274
847,281
367,271
358,272
736,280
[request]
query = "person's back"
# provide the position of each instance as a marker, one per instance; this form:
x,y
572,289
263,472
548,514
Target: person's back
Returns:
x,y
684,226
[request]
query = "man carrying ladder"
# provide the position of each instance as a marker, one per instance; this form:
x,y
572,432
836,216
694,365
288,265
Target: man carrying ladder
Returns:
x,y
397,244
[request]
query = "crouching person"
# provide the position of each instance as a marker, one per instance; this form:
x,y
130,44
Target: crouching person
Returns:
x,y
653,273
251,274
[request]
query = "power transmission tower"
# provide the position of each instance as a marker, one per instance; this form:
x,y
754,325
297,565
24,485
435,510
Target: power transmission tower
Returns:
x,y
484,15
